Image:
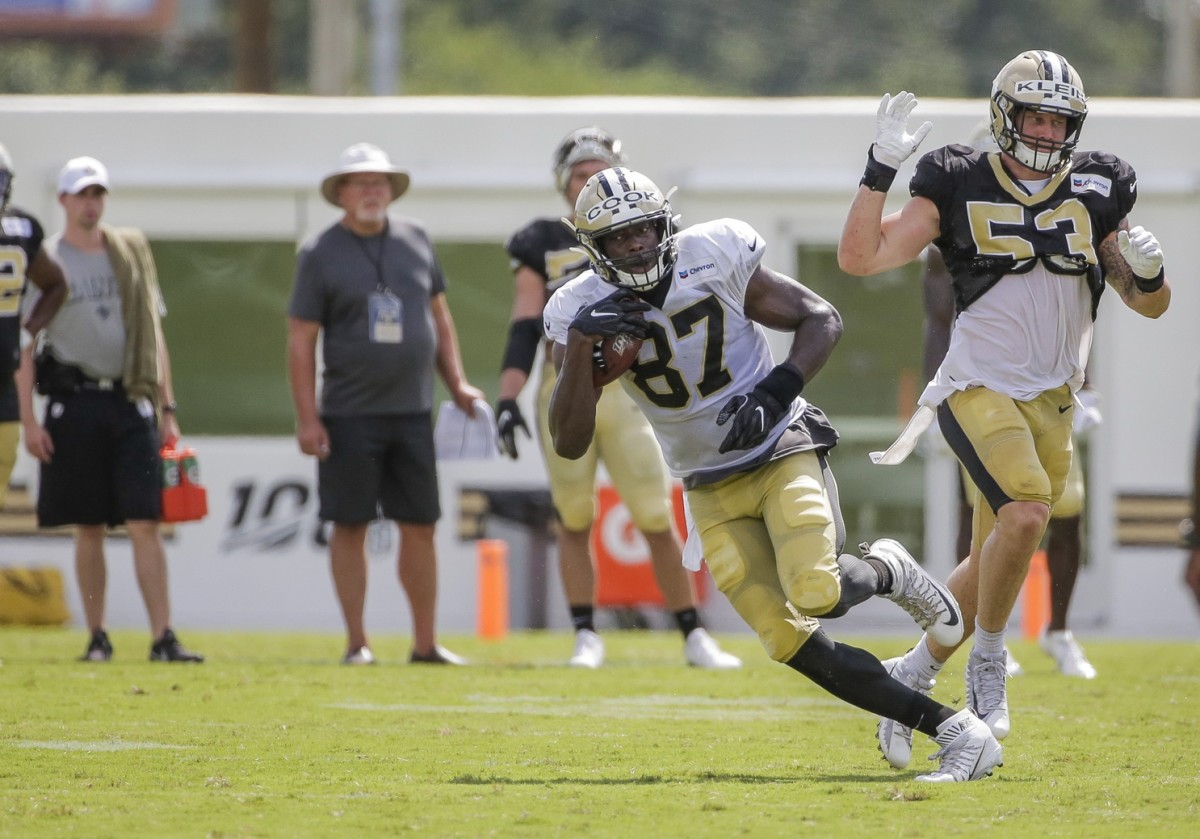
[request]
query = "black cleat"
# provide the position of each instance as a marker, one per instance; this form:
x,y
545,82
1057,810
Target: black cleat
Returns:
x,y
168,648
99,648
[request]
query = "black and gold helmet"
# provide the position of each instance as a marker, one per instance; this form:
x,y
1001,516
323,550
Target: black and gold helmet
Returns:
x,y
6,176
591,143
613,200
1037,80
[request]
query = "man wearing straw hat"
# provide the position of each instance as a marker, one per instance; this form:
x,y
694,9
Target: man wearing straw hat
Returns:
x,y
373,286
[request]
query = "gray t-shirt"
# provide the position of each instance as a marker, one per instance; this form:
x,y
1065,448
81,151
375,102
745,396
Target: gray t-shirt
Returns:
x,y
89,329
377,360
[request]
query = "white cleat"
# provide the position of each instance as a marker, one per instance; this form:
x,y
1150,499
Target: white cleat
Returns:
x,y
1061,646
929,602
895,740
702,650
1013,666
968,750
362,655
987,696
589,650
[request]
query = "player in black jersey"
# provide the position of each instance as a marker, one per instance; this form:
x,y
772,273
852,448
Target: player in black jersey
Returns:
x,y
1030,234
544,255
21,257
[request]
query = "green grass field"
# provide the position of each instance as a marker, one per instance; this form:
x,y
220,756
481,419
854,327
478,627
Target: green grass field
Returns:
x,y
272,738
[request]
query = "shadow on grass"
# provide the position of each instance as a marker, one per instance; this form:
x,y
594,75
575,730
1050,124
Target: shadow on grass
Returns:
x,y
702,778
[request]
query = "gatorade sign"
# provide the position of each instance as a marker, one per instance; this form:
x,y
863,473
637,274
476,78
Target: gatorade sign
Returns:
x,y
624,572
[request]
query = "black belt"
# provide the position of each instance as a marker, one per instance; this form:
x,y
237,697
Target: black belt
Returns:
x,y
88,383
53,376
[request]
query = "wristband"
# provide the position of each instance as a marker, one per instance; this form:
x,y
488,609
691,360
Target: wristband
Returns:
x,y
1149,286
878,177
170,407
783,383
26,339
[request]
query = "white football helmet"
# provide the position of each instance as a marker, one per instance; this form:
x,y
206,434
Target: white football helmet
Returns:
x,y
591,143
6,176
1037,80
613,200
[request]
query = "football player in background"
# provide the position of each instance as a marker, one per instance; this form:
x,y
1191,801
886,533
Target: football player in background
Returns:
x,y
748,447
1023,232
544,255
21,257
1064,534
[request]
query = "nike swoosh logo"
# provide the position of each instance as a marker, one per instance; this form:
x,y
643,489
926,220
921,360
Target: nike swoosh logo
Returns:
x,y
762,418
1064,409
753,246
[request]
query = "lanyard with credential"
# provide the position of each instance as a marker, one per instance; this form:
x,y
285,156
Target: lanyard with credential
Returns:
x,y
385,314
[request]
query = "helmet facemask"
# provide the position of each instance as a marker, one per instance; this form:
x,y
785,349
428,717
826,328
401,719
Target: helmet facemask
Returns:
x,y
615,200
1042,82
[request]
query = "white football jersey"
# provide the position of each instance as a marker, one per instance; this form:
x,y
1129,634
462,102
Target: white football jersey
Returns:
x,y
702,350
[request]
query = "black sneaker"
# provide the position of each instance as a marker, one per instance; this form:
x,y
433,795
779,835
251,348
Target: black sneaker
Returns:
x,y
99,648
168,648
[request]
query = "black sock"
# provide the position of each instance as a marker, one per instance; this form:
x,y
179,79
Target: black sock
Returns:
x,y
582,617
857,677
687,620
861,580
885,574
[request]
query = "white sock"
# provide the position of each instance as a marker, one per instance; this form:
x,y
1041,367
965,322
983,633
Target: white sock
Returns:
x,y
988,644
920,660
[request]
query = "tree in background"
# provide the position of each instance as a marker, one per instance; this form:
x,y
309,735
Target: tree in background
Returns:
x,y
666,47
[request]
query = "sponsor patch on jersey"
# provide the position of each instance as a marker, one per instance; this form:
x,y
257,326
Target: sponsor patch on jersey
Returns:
x,y
16,226
684,273
1091,183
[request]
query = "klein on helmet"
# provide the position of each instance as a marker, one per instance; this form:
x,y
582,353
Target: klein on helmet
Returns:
x,y
613,200
590,143
1037,80
6,177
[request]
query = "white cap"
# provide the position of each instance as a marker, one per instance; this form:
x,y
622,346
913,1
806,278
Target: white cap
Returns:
x,y
364,157
80,173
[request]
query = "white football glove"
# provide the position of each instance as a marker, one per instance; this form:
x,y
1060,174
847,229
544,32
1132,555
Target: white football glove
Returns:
x,y
893,143
1141,250
1087,416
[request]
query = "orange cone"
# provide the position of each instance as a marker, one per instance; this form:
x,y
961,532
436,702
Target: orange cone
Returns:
x,y
1035,597
492,578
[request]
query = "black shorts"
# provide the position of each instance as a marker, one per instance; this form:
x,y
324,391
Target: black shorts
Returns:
x,y
105,468
379,465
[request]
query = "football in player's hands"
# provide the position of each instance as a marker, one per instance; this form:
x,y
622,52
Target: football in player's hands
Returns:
x,y
613,356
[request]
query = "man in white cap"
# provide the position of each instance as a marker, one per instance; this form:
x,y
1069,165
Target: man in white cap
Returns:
x,y
372,283
21,241
107,377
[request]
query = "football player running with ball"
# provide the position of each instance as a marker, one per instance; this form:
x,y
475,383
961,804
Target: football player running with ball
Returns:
x,y
545,255
749,448
1030,234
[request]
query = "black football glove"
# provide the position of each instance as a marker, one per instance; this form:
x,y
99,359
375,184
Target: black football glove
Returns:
x,y
754,414
620,312
508,420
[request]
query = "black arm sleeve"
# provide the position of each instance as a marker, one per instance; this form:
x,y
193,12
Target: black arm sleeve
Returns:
x,y
523,338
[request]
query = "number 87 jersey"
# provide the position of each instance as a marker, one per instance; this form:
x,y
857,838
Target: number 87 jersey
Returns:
x,y
702,349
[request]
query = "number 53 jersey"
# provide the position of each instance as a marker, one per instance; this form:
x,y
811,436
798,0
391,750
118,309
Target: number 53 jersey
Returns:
x,y
1024,258
993,224
702,349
